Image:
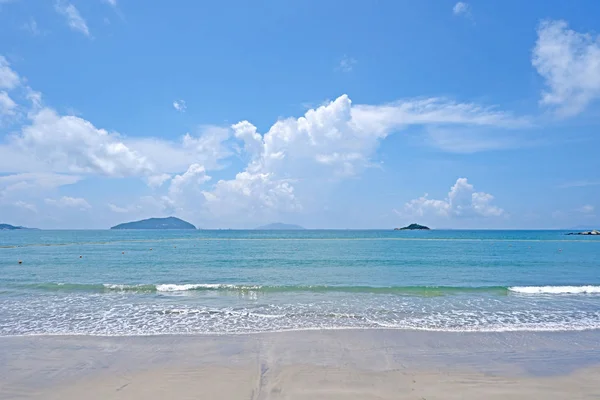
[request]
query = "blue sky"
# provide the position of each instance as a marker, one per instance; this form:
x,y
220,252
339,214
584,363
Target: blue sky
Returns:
x,y
329,114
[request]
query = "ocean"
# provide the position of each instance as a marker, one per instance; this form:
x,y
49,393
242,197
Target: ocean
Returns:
x,y
122,283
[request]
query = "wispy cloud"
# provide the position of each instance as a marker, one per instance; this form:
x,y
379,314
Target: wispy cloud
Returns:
x,y
583,183
117,209
7,105
346,64
26,206
31,182
462,9
74,19
31,26
179,105
69,202
9,79
469,140
586,209
569,62
115,6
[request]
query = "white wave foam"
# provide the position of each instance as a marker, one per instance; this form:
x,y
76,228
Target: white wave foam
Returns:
x,y
116,287
555,289
172,287
168,287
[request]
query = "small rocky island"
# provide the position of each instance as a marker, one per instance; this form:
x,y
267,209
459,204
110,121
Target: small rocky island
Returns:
x,y
592,232
156,223
413,227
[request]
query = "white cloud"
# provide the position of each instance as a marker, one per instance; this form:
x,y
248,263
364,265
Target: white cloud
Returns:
x,y
179,105
28,182
74,19
462,201
184,193
35,98
337,140
31,26
251,194
151,206
111,2
247,133
156,181
69,202
569,62
118,209
9,79
7,105
586,209
124,210
46,180
424,205
433,111
72,144
207,148
461,8
292,149
26,206
346,64
194,176
68,143
286,170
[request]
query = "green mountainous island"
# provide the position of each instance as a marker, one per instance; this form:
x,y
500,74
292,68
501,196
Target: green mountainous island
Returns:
x,y
156,223
280,227
413,227
8,227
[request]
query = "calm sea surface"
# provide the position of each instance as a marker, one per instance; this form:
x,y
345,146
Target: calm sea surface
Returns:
x,y
173,282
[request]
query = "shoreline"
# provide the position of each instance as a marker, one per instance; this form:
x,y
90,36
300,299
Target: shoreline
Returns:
x,y
331,364
524,331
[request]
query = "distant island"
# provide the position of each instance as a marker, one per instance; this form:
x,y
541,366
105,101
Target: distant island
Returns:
x,y
280,227
413,227
592,232
8,227
156,223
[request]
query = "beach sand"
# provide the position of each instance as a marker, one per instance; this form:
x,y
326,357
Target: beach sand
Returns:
x,y
337,364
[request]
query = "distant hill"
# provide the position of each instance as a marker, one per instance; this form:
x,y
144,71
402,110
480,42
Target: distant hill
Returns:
x,y
156,223
413,227
280,227
8,227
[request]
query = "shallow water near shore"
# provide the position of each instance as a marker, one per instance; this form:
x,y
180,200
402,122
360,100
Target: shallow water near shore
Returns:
x,y
121,283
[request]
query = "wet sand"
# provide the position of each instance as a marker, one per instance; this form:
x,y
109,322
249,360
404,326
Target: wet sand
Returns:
x,y
343,364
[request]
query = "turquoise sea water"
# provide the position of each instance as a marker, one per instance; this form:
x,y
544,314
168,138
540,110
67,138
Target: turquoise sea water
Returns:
x,y
173,282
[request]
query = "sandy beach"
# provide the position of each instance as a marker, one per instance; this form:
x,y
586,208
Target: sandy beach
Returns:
x,y
351,364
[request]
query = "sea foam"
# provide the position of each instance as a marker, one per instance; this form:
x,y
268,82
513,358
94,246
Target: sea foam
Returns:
x,y
556,289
